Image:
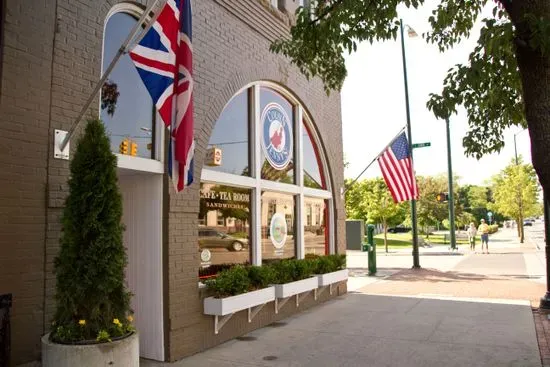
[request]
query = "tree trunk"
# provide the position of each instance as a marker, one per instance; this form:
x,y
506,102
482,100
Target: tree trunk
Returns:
x,y
535,77
521,232
518,227
385,235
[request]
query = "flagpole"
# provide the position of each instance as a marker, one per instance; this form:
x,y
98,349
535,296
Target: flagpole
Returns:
x,y
121,51
375,158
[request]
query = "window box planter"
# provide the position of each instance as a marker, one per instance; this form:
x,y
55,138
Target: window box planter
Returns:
x,y
331,278
285,291
328,279
226,307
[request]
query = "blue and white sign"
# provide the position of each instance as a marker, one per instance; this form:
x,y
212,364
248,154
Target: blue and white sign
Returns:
x,y
276,136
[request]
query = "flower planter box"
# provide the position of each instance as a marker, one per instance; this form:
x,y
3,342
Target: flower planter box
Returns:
x,y
229,305
123,353
300,286
223,308
331,278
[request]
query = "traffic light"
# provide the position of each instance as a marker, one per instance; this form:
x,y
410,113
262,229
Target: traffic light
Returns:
x,y
123,148
442,197
133,149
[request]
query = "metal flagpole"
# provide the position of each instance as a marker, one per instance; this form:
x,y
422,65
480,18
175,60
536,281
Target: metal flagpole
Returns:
x,y
121,51
375,158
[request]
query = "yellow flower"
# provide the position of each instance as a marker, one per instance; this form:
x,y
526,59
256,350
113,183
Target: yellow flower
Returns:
x,y
82,322
130,318
117,322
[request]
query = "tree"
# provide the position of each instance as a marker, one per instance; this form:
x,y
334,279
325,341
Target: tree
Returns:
x,y
381,207
356,207
92,301
504,83
515,193
430,212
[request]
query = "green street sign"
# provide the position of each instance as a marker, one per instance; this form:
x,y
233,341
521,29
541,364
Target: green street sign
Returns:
x,y
421,145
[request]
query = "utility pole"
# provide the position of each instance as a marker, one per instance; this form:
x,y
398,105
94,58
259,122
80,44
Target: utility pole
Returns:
x,y
412,33
451,194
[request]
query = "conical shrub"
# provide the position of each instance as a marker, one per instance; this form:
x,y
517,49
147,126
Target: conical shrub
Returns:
x,y
92,300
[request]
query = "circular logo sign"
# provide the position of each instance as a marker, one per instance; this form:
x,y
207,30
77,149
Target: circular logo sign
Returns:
x,y
276,135
278,230
206,255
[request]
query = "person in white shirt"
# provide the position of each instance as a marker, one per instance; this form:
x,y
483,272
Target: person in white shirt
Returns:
x,y
472,231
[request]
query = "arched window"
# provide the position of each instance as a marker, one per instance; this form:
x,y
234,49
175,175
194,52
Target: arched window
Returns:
x,y
264,188
133,117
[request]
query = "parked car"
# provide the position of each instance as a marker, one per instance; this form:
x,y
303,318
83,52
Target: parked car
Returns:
x,y
399,229
527,222
211,238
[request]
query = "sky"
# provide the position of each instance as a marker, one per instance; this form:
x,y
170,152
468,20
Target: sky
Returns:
x,y
373,106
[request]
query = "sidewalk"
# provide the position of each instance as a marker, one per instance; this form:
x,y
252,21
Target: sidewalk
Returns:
x,y
376,331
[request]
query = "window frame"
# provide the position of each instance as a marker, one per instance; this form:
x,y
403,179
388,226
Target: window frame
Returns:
x,y
155,164
257,184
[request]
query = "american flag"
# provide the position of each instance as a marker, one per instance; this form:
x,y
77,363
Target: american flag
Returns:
x,y
397,169
164,61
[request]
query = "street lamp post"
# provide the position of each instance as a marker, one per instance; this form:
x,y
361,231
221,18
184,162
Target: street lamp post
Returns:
x,y
451,190
412,33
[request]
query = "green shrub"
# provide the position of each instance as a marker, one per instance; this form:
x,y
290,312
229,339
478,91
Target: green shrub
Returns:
x,y
92,302
493,228
261,276
329,264
230,282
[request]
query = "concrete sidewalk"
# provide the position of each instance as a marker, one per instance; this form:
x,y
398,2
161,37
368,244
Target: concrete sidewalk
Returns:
x,y
367,330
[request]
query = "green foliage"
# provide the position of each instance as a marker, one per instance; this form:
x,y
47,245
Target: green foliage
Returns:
x,y
241,279
515,191
488,86
430,212
261,276
230,282
90,282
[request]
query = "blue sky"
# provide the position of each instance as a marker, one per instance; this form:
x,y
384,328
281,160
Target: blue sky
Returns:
x,y
373,106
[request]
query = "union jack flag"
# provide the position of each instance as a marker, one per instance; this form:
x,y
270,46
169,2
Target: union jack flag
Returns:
x,y
164,61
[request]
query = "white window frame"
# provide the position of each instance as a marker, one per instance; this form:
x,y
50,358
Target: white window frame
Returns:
x,y
156,163
257,185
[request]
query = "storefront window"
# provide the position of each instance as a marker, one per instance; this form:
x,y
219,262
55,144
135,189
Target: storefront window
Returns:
x,y
277,137
260,133
132,119
315,234
312,163
278,226
228,148
224,229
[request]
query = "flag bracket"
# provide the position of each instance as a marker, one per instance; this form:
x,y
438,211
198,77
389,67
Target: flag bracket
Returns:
x,y
59,137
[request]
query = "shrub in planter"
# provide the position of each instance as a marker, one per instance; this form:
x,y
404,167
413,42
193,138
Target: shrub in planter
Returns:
x,y
230,282
92,302
261,276
292,270
329,264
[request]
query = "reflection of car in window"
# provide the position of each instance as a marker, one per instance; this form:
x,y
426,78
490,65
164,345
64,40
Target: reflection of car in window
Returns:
x,y
211,238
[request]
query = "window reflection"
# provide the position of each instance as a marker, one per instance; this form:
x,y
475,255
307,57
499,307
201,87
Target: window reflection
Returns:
x,y
315,233
228,149
313,176
224,227
133,116
277,137
278,222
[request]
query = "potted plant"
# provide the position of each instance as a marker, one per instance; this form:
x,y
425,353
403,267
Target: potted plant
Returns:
x,y
239,288
331,269
294,277
92,325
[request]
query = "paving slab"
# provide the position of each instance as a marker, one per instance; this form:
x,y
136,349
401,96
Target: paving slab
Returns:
x,y
373,330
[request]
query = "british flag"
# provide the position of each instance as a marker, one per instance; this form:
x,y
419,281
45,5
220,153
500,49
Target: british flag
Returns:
x,y
164,61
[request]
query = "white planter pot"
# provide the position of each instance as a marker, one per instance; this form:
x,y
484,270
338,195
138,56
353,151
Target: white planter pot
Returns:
x,y
331,278
300,286
229,305
122,353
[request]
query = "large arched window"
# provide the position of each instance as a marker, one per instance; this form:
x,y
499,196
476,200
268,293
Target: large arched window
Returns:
x,y
264,188
133,118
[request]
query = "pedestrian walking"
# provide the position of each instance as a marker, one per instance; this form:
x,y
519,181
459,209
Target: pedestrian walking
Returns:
x,y
484,230
472,231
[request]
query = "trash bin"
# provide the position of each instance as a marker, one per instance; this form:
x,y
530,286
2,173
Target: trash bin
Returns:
x,y
5,305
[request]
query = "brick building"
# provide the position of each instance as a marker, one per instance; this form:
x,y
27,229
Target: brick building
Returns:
x,y
247,185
